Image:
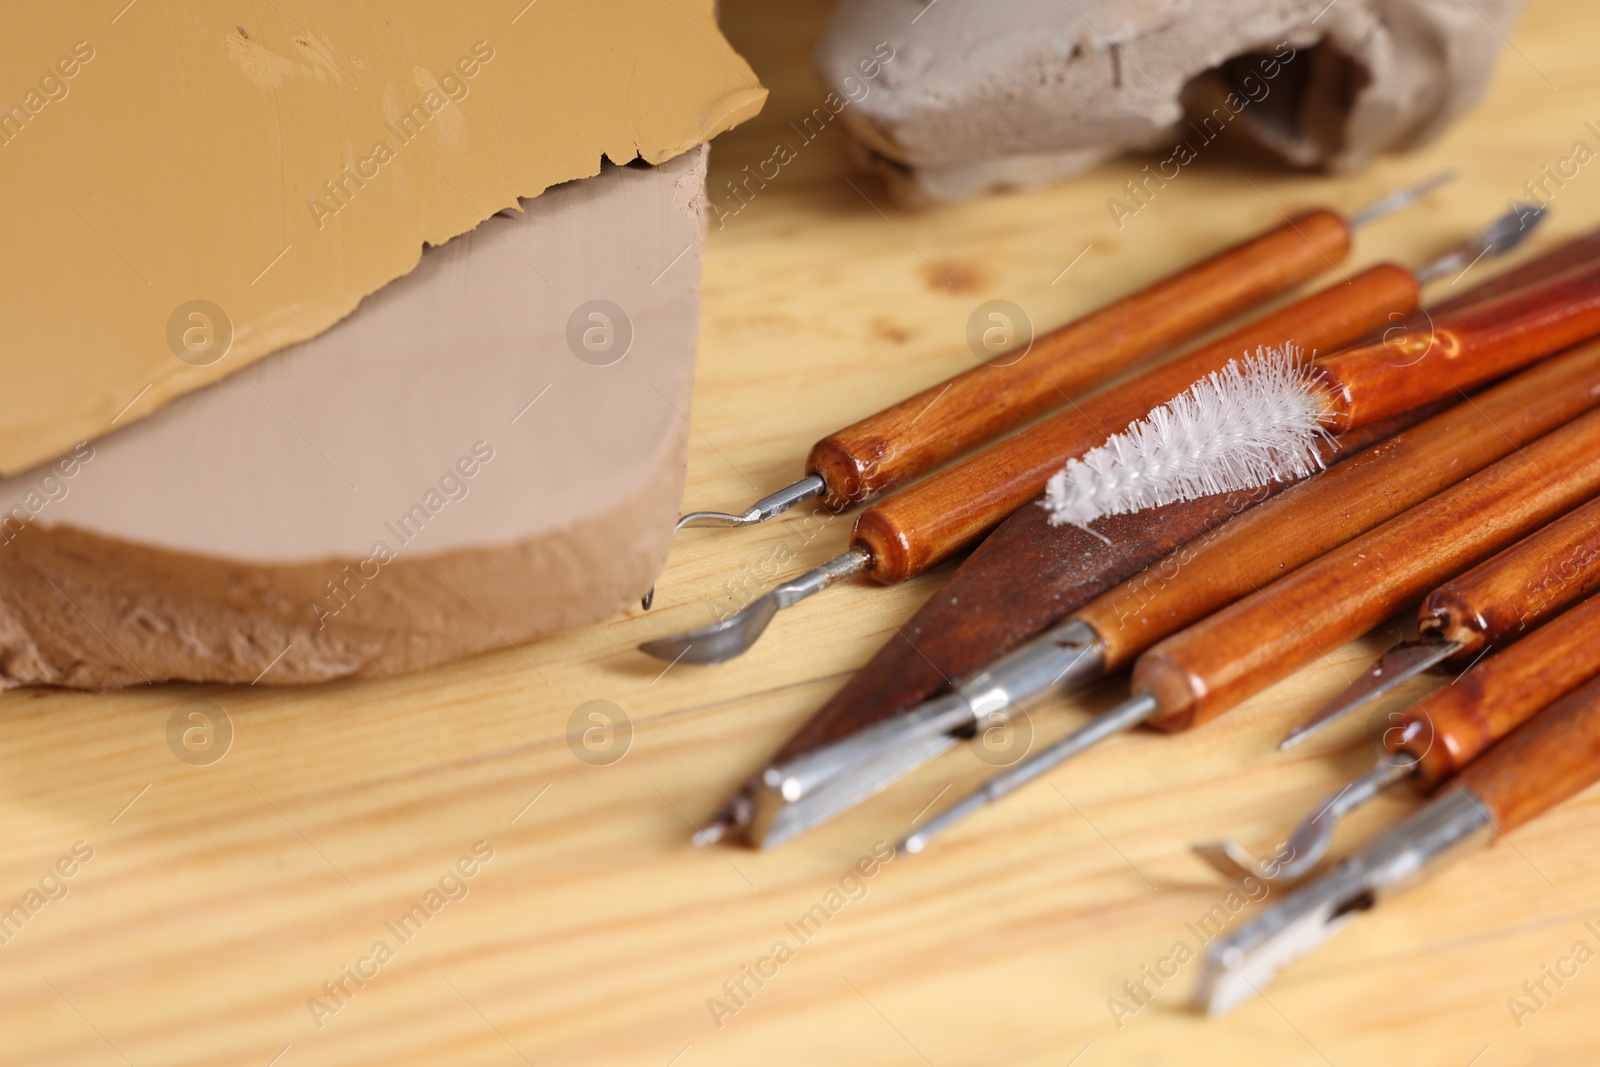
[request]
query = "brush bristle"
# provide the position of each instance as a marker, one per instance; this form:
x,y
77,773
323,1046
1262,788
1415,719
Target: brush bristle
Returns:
x,y
1246,425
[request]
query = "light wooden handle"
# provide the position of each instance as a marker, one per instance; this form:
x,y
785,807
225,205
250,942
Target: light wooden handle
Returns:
x,y
1519,588
945,420
1212,666
1460,351
926,523
1264,544
1450,727
1552,758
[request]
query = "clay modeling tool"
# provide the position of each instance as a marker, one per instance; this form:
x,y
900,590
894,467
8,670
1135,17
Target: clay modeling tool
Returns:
x,y
943,421
1546,761
924,524
1489,606
1209,668
1027,575
840,759
1261,418
1442,733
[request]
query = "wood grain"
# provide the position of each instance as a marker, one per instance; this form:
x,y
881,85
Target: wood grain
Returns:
x,y
1554,757
1212,666
925,524
1520,588
1453,725
945,420
1459,351
594,938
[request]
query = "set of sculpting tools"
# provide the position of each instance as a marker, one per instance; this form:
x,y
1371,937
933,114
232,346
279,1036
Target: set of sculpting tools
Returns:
x,y
1218,520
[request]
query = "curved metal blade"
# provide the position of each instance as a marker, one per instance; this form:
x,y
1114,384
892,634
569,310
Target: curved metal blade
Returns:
x,y
762,510
729,637
1309,842
1395,666
719,641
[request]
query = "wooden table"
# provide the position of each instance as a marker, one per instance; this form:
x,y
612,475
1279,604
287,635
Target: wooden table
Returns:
x,y
219,899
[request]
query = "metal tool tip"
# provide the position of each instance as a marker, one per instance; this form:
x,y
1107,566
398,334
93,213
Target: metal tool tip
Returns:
x,y
913,844
717,642
711,833
1401,198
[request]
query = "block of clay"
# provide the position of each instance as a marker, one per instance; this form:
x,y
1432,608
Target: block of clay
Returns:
x,y
1017,93
491,448
189,186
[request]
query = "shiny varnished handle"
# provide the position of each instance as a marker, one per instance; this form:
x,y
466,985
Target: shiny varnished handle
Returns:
x,y
1450,727
926,523
1209,668
1460,351
945,420
1552,758
1521,587
1262,545
1563,257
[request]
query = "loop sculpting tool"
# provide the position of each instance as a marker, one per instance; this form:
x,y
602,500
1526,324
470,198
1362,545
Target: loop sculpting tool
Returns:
x,y
874,455
923,525
1553,757
810,783
1446,730
1197,675
1489,606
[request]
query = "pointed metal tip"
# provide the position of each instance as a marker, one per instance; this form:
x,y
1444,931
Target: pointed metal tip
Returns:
x,y
648,599
1401,199
1402,662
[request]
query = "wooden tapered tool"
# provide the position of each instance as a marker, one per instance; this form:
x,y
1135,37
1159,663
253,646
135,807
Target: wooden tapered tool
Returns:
x,y
1549,759
1263,419
1195,676
872,456
849,751
1446,730
900,537
1491,605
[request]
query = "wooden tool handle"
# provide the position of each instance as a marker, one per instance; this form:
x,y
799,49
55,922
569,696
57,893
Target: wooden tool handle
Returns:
x,y
1268,542
926,523
1212,666
945,420
1519,588
1450,727
1554,757
1560,259
1460,351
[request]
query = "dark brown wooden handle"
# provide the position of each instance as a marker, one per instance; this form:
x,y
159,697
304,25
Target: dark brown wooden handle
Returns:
x,y
1552,758
1450,727
924,524
1520,588
945,420
1212,666
1262,545
1460,351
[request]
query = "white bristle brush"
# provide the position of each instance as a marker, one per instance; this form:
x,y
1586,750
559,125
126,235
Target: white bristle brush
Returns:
x,y
1243,426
